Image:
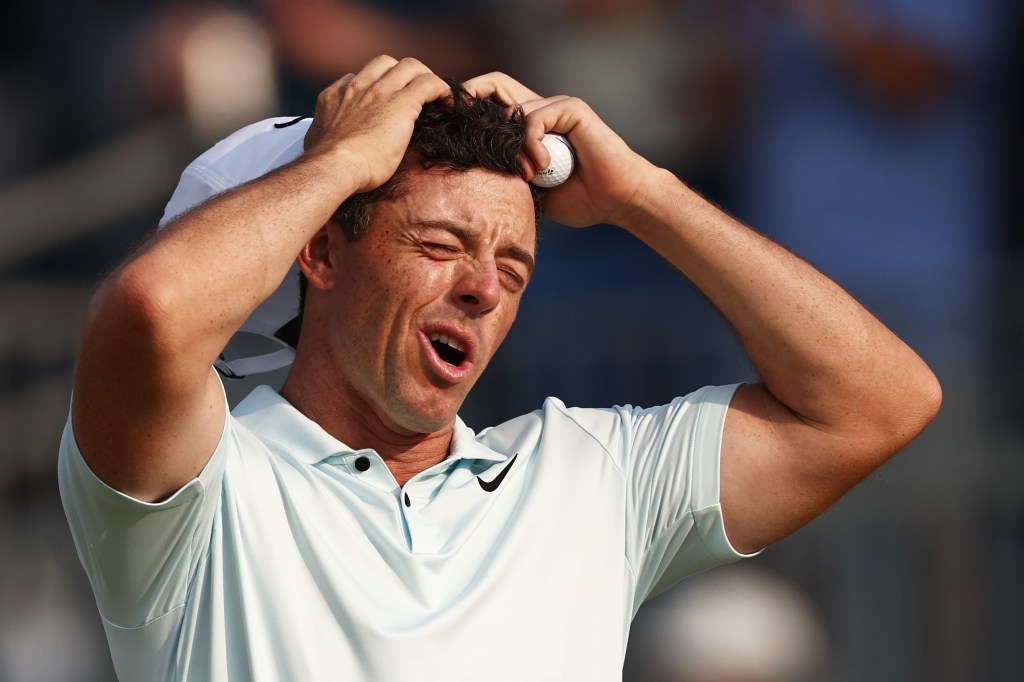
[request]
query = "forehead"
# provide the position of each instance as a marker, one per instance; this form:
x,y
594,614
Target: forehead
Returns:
x,y
493,206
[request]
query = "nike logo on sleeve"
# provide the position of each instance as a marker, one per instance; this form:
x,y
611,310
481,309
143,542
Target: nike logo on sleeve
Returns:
x,y
491,486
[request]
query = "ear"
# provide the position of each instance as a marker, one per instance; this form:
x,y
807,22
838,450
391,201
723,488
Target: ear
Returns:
x,y
317,260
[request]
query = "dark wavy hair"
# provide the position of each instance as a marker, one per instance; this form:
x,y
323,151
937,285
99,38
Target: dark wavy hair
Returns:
x,y
457,133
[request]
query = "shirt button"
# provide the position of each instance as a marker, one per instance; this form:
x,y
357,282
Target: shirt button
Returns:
x,y
362,463
408,502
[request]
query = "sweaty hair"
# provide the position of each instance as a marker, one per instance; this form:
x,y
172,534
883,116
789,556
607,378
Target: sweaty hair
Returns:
x,y
457,133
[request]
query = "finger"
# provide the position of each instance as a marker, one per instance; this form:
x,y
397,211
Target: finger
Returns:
x,y
407,76
325,101
501,87
428,87
412,76
340,83
403,72
558,114
333,91
374,69
531,106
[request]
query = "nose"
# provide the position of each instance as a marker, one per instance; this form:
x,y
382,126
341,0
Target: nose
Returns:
x,y
478,292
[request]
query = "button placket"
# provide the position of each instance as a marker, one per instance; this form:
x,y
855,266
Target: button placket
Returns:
x,y
426,478
410,518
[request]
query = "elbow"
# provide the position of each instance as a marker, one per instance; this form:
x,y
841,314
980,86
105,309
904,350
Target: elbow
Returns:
x,y
126,337
920,401
930,400
130,310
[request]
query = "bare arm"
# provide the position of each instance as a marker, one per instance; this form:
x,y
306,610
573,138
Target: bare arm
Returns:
x,y
840,392
148,409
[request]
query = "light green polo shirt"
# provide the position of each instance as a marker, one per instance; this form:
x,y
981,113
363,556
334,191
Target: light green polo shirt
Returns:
x,y
522,556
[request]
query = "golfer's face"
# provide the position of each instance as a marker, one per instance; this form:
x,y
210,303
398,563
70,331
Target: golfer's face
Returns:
x,y
429,292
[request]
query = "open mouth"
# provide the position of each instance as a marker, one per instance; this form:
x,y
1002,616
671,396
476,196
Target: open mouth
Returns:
x,y
448,349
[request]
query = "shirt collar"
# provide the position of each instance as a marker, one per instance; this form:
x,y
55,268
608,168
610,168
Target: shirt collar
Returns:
x,y
267,414
466,446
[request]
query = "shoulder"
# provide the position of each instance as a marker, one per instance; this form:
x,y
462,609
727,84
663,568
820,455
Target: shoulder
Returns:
x,y
616,430
552,421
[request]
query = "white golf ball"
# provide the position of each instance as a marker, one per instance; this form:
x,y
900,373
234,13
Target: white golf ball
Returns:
x,y
563,160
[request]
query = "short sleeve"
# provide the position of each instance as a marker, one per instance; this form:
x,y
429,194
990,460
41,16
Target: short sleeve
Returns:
x,y
139,556
674,520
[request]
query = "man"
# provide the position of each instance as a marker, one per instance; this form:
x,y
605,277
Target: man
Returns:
x,y
352,527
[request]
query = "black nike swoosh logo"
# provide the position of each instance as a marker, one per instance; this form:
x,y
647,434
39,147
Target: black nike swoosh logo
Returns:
x,y
491,486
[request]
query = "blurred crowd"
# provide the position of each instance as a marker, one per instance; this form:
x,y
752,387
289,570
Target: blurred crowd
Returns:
x,y
883,140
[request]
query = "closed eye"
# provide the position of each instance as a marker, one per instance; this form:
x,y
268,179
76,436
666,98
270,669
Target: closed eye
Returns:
x,y
516,280
440,248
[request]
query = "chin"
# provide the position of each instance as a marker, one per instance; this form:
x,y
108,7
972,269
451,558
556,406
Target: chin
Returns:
x,y
426,418
425,424
423,407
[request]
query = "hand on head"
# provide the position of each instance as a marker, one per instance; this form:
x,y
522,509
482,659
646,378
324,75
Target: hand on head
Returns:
x,y
368,116
608,178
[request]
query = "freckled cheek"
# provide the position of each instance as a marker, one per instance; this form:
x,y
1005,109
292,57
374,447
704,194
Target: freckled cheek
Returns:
x,y
426,280
502,324
386,280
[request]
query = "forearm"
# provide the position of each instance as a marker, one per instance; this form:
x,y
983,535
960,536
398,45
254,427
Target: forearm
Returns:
x,y
148,408
205,273
817,350
148,411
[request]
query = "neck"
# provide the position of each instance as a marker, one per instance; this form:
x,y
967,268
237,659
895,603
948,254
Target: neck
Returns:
x,y
341,412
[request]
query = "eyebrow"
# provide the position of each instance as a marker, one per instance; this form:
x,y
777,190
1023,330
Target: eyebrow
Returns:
x,y
511,250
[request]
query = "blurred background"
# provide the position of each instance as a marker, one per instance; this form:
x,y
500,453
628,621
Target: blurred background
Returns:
x,y
883,140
